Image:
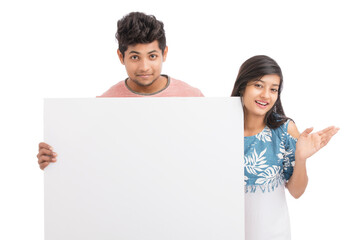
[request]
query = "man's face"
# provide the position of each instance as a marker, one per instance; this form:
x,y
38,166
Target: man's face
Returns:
x,y
143,63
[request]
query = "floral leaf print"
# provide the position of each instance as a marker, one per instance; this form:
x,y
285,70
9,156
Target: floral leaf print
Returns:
x,y
269,176
282,151
262,153
255,163
265,135
283,155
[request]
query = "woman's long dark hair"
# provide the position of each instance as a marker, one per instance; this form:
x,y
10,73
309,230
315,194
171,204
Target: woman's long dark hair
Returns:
x,y
253,69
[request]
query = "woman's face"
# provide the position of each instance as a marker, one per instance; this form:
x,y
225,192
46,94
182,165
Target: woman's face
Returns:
x,y
260,95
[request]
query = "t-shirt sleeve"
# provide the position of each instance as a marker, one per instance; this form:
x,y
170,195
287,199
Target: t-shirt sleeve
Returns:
x,y
200,94
289,155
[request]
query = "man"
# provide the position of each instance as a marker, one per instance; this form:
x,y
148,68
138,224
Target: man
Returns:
x,y
142,50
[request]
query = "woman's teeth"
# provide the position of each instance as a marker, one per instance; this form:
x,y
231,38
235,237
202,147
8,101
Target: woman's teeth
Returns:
x,y
262,103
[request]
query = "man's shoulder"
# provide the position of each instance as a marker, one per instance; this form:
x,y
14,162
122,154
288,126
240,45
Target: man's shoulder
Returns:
x,y
184,88
179,82
117,90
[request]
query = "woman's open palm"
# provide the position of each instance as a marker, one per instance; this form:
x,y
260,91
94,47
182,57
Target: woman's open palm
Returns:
x,y
309,143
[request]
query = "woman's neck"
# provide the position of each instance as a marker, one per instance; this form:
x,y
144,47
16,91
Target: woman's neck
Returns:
x,y
253,125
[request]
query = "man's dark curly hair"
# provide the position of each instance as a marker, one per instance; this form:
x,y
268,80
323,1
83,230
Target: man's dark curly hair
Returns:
x,y
137,27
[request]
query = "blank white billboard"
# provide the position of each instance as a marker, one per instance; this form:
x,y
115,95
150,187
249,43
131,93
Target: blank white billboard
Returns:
x,y
144,169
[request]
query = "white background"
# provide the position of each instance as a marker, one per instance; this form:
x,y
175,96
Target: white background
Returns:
x,y
68,49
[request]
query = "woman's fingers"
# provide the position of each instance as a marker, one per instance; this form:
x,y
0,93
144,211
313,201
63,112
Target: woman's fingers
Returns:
x,y
307,131
327,135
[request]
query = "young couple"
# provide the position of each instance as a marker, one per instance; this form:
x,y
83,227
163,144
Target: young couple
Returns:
x,y
275,153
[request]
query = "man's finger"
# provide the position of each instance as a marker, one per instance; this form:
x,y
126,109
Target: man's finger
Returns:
x,y
44,151
45,145
43,165
45,158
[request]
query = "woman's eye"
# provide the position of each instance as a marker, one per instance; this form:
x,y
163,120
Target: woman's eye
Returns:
x,y
274,90
258,85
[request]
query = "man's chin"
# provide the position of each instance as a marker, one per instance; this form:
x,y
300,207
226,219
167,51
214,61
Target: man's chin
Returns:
x,y
144,83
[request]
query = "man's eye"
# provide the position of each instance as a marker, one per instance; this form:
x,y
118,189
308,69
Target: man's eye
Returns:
x,y
134,57
153,56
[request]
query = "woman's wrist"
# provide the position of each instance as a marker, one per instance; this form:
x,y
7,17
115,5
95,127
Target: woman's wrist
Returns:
x,y
299,159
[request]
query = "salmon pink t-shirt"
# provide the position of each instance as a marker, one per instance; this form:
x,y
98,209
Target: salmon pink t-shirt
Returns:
x,y
173,88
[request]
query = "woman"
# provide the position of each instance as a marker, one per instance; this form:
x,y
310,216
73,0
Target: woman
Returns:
x,y
275,152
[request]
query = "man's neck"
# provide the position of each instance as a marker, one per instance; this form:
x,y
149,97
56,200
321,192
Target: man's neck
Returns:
x,y
157,86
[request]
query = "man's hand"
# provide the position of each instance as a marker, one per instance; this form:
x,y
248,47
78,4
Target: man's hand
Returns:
x,y
45,155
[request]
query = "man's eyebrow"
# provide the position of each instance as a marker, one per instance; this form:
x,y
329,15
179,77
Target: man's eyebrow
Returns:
x,y
134,52
139,52
152,51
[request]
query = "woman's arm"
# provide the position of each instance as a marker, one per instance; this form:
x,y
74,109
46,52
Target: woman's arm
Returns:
x,y
308,144
299,179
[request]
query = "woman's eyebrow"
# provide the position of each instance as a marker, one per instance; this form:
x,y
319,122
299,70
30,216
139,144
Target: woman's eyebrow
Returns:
x,y
259,80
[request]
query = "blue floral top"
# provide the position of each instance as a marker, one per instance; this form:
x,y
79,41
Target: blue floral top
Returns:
x,y
269,158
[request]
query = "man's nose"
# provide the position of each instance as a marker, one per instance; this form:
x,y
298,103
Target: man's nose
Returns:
x,y
144,65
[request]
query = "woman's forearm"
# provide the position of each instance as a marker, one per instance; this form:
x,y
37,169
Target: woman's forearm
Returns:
x,y
299,179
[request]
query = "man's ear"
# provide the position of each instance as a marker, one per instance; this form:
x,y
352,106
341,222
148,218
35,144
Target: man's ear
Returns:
x,y
121,57
165,53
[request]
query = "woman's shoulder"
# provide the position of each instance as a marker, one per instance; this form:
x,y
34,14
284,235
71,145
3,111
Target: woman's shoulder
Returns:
x,y
288,128
292,129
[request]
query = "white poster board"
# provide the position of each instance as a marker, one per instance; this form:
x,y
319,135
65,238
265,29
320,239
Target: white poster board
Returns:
x,y
145,168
